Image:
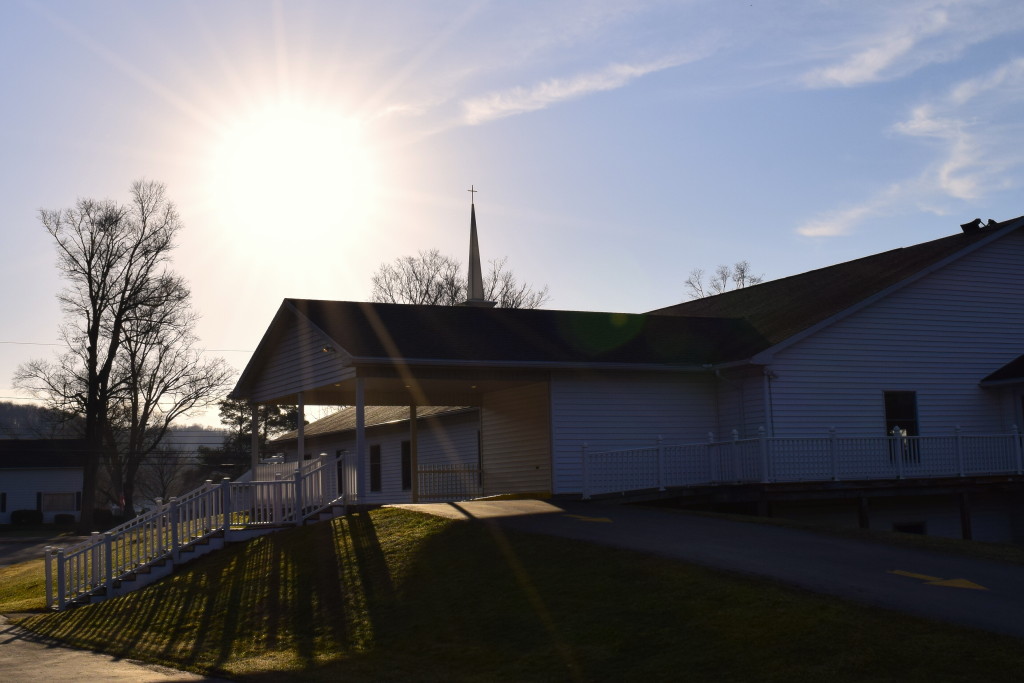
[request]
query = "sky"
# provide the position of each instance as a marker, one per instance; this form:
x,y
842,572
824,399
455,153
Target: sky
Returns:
x,y
615,146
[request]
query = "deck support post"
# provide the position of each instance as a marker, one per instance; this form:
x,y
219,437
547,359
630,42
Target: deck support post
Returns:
x,y
863,517
965,517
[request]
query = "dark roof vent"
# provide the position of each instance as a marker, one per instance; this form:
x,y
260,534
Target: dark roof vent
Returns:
x,y
973,226
991,223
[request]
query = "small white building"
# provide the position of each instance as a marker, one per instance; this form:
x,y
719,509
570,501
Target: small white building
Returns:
x,y
448,442
41,474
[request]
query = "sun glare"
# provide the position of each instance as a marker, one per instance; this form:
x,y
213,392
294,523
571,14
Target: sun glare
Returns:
x,y
289,167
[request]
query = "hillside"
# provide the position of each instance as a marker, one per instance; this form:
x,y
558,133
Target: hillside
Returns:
x,y
395,595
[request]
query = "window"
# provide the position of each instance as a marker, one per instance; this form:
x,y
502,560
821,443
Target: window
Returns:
x,y
901,415
57,502
375,467
3,502
406,466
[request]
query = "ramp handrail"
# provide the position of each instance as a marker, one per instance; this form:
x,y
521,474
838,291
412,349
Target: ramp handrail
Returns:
x,y
795,459
161,533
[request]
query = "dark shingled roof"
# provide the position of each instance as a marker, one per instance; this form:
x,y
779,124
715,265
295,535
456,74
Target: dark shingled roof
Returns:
x,y
42,453
779,309
345,419
1010,373
463,333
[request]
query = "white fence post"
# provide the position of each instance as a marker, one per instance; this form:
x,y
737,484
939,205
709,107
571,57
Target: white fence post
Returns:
x,y
762,439
48,571
897,441
61,578
108,559
94,553
225,490
1017,449
298,495
735,455
661,464
277,514
833,454
959,450
172,515
586,473
714,471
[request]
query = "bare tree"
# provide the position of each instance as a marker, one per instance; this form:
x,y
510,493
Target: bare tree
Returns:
x,y
435,279
161,376
114,258
699,284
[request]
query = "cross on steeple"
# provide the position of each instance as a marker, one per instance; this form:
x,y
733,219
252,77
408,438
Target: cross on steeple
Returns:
x,y
472,196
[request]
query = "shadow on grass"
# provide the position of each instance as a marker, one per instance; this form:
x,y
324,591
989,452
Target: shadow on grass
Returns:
x,y
394,595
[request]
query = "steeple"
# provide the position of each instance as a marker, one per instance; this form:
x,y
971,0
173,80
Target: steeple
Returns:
x,y
475,285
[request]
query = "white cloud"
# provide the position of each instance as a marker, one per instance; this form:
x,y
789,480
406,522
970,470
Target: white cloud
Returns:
x,y
520,100
843,221
909,36
976,131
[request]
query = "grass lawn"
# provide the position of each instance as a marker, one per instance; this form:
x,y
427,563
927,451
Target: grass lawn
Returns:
x,y
396,595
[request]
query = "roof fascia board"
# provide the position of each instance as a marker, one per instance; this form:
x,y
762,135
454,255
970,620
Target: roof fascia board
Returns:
x,y
767,356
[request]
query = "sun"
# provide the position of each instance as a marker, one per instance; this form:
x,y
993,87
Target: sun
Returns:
x,y
288,166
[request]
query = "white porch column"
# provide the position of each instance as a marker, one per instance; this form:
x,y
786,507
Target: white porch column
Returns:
x,y
254,426
360,439
300,436
414,465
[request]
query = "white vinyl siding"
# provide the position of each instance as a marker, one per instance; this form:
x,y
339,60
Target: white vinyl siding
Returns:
x,y
445,439
624,410
23,485
938,336
515,433
297,363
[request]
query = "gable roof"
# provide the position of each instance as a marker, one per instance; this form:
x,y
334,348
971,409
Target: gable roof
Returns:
x,y
1011,373
345,419
780,309
42,453
457,334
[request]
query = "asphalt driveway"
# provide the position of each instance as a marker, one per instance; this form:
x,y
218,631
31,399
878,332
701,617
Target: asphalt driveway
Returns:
x,y
968,591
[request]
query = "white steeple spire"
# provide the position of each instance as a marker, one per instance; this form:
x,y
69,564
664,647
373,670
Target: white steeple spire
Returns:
x,y
475,286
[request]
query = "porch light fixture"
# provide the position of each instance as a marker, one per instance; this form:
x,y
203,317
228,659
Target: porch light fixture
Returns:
x,y
328,349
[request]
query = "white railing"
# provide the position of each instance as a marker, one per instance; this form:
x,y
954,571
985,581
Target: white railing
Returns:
x,y
447,482
162,533
795,459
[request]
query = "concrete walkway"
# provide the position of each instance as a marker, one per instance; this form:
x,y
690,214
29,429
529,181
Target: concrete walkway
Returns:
x,y
968,591
24,656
